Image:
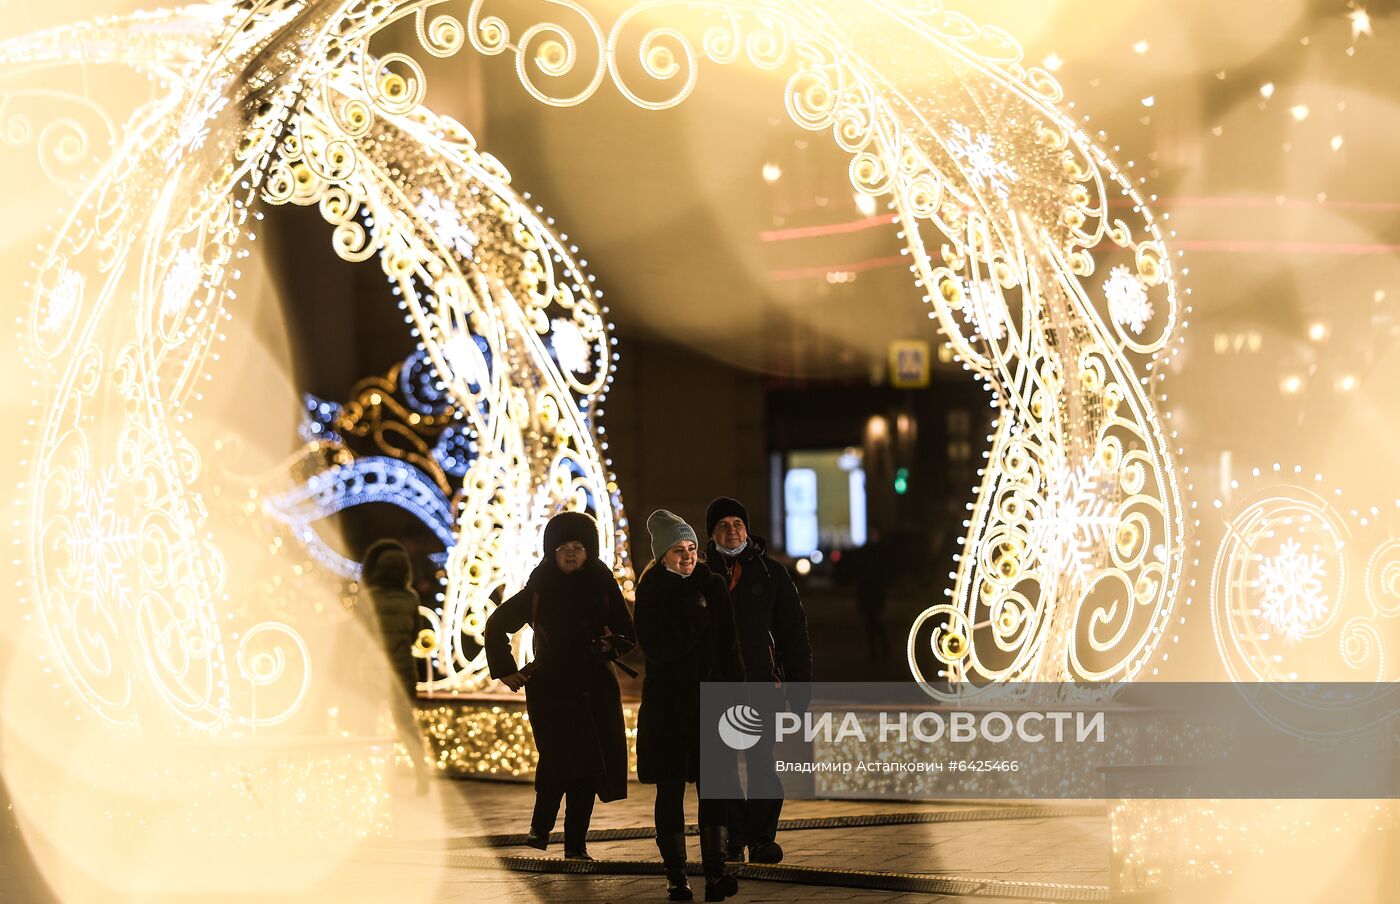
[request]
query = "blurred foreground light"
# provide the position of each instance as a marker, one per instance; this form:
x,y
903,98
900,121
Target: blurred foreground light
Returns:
x,y
1317,331
1360,22
1141,47
1053,62
1345,383
1291,384
1300,112
1336,142
1149,101
866,204
1266,90
804,566
772,172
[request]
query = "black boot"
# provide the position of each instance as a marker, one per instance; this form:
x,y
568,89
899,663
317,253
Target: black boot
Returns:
x,y
672,848
718,884
543,819
578,812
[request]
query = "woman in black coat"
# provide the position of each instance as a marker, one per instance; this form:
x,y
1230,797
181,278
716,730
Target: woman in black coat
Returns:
x,y
391,611
685,625
581,625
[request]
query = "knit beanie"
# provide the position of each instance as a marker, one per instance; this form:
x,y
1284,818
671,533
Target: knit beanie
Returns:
x,y
724,507
570,526
666,531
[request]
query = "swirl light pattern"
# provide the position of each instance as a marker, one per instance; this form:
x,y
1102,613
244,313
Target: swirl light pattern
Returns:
x,y
1284,600
1073,547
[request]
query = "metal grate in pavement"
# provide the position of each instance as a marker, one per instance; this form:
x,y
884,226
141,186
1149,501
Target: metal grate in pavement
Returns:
x,y
797,825
799,875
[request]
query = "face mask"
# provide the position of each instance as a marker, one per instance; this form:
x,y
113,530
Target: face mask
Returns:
x,y
674,571
735,551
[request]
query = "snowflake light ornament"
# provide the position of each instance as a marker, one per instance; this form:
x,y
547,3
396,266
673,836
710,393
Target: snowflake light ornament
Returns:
x,y
181,281
1128,303
196,130
446,222
1290,587
103,540
465,359
977,154
569,346
1077,520
984,309
63,301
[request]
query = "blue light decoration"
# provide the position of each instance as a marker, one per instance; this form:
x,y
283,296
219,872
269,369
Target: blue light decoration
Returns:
x,y
382,478
373,479
318,420
420,385
455,450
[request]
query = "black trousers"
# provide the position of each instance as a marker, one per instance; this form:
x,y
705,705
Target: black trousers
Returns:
x,y
755,820
577,814
669,811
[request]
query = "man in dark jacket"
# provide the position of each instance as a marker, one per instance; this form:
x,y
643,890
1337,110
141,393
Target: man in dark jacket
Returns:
x,y
772,629
392,611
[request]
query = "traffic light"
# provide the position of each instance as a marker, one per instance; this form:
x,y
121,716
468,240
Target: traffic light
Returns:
x,y
901,481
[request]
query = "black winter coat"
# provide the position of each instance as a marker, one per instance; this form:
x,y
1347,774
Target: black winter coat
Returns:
x,y
768,615
685,626
572,695
392,607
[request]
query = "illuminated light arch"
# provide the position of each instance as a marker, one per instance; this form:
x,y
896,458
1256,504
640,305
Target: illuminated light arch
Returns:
x,y
1070,565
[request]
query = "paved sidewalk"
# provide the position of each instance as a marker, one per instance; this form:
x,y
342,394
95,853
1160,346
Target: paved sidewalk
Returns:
x,y
970,845
447,849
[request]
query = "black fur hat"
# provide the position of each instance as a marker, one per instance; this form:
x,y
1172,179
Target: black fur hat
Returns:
x,y
567,526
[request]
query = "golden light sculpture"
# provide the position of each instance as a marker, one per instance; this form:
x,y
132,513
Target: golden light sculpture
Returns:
x,y
1073,546
504,311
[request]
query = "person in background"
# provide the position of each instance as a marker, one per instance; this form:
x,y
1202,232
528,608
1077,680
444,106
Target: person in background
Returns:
x,y
772,630
872,577
685,627
387,576
581,625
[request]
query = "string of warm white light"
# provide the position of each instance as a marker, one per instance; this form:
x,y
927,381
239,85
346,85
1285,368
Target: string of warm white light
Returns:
x,y
1079,469
1074,541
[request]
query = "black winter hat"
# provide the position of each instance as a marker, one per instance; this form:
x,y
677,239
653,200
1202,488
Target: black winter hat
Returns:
x,y
386,564
724,507
567,526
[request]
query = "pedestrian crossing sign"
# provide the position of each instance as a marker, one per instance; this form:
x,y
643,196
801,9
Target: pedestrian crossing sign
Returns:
x,y
909,364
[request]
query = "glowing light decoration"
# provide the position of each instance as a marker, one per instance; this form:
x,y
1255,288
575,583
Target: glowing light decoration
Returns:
x,y
181,282
1127,300
1290,590
570,348
978,153
984,309
102,539
1283,601
447,223
988,179
366,480
1078,520
64,299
